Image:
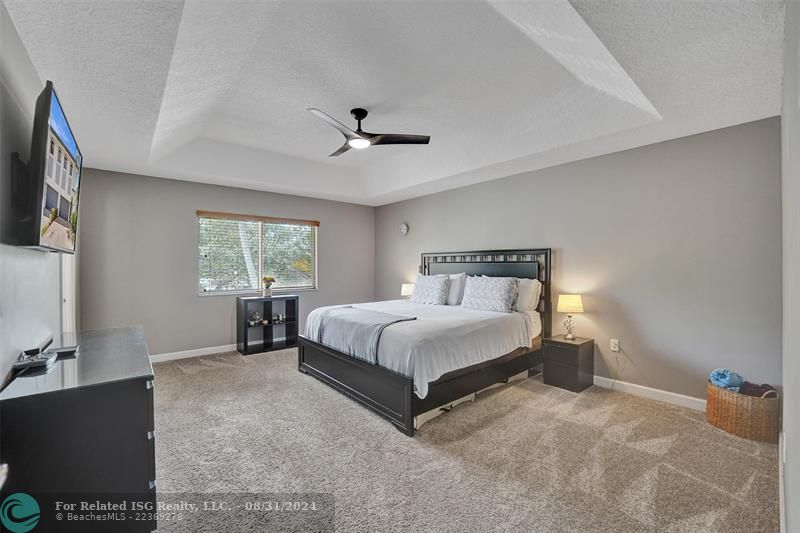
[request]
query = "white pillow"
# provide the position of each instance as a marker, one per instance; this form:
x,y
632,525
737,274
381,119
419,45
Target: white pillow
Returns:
x,y
530,291
431,289
457,282
490,294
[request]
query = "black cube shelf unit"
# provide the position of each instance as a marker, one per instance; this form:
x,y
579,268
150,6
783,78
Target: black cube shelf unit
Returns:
x,y
266,337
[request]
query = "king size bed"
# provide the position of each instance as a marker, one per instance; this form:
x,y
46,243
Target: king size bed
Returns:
x,y
424,356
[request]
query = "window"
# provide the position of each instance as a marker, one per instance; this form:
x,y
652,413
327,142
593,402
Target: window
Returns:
x,y
236,251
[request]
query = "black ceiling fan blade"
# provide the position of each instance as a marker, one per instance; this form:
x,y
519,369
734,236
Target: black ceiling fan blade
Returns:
x,y
344,130
358,136
345,147
397,138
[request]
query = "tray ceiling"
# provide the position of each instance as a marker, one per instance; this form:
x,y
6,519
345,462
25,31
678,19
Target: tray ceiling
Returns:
x,y
216,92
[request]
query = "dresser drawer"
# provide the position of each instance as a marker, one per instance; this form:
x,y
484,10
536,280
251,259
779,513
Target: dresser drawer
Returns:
x,y
151,455
564,355
562,376
151,424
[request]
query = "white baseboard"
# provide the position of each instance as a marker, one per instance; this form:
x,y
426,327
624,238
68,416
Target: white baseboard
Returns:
x,y
654,394
161,357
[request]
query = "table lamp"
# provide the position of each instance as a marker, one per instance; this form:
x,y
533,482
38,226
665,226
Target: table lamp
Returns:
x,y
570,304
407,289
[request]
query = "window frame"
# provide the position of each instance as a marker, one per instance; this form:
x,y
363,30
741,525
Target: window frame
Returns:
x,y
268,220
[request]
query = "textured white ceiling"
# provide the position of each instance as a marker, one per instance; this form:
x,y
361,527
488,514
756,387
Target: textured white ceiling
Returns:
x,y
216,92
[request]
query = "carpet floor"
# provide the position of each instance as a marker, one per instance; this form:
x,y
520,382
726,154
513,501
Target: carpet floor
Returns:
x,y
524,457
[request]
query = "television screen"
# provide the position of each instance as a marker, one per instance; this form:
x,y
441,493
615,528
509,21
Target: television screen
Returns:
x,y
60,174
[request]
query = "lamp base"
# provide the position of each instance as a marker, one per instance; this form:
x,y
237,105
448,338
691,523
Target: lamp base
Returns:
x,y
569,325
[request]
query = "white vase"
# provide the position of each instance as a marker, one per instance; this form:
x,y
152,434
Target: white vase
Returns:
x,y
266,292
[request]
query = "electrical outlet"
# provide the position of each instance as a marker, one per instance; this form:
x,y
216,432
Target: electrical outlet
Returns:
x,y
614,345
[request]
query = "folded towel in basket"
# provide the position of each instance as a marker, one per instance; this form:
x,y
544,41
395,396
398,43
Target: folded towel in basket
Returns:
x,y
753,389
726,379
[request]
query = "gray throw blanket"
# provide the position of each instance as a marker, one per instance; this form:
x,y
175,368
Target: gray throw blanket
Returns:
x,y
355,331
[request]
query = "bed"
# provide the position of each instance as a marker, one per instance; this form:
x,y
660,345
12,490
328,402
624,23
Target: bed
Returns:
x,y
433,361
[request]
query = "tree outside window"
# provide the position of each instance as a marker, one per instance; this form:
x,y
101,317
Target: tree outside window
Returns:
x,y
235,253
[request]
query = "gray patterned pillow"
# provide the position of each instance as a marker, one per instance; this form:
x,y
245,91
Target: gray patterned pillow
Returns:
x,y
490,294
431,289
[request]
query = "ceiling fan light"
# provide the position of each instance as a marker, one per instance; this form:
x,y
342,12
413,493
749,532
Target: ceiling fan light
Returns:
x,y
358,143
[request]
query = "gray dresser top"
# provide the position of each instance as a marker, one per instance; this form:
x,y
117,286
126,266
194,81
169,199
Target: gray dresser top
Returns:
x,y
105,355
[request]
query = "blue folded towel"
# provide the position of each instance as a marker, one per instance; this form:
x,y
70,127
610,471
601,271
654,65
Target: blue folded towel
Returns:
x,y
726,379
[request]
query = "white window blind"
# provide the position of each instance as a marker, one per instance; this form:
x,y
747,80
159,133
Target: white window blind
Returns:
x,y
236,251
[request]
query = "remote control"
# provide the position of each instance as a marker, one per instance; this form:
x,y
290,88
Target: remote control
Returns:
x,y
42,359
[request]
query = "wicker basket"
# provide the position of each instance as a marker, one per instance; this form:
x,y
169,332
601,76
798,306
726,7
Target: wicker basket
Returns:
x,y
750,417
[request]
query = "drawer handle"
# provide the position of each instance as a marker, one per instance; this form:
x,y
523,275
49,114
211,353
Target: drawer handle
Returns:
x,y
151,435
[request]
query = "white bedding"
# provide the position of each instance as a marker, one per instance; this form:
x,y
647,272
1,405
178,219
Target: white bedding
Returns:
x,y
443,338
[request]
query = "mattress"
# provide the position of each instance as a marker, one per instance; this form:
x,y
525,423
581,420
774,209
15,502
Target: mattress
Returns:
x,y
444,338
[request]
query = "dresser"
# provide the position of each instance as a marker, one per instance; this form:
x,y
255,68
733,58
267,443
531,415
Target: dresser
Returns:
x,y
84,426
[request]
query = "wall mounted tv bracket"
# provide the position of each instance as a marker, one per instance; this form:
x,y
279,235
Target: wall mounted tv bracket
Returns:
x,y
20,184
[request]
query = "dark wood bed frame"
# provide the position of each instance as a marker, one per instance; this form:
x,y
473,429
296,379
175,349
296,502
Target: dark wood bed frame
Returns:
x,y
391,394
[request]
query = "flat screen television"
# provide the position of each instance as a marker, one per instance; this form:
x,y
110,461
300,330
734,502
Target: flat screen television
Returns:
x,y
49,201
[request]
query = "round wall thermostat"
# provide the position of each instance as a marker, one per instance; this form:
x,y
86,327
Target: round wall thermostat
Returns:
x,y
403,228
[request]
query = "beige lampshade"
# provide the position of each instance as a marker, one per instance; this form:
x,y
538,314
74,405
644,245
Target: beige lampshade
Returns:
x,y
570,303
407,289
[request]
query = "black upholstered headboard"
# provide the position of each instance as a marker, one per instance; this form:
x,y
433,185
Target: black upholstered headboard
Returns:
x,y
531,263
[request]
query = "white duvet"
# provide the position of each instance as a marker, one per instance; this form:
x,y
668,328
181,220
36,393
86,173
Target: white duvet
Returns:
x,y
443,338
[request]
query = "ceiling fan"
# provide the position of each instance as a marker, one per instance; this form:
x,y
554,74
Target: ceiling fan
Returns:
x,y
360,139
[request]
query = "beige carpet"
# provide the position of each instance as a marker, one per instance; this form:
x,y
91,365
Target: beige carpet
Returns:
x,y
525,457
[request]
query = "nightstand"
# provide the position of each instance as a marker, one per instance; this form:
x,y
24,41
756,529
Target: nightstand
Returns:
x,y
568,364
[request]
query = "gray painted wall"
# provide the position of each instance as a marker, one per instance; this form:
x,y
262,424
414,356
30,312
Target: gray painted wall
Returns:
x,y
29,281
676,247
791,265
139,261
